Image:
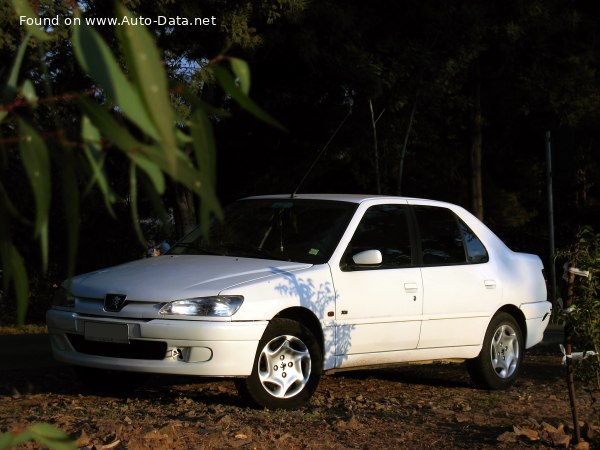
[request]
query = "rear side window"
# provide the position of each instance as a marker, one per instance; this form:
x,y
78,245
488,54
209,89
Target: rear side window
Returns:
x,y
445,239
441,237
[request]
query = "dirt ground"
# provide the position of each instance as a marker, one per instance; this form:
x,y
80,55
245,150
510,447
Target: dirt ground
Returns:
x,y
413,407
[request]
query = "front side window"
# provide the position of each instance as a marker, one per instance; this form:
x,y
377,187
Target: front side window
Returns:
x,y
384,228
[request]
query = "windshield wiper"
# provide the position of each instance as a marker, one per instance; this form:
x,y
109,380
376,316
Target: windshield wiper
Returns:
x,y
231,249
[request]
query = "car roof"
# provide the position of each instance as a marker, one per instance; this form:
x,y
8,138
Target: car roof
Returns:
x,y
351,198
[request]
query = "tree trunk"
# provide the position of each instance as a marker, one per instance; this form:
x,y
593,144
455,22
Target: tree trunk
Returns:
x,y
476,146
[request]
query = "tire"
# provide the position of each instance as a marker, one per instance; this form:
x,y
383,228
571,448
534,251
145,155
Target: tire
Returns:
x,y
499,362
287,367
113,382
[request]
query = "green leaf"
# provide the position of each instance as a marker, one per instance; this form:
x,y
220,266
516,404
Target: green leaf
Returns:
x,y
135,218
18,276
22,8
98,61
112,130
120,136
34,157
151,169
93,151
145,66
28,91
5,440
228,84
204,145
10,89
242,72
7,206
11,85
52,437
22,438
196,103
47,430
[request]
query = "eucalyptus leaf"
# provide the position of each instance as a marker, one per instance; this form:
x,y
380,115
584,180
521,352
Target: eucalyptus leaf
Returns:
x,y
11,85
5,440
51,437
227,82
97,60
135,218
93,152
151,169
204,145
22,8
47,430
145,67
34,157
20,282
112,130
242,72
28,91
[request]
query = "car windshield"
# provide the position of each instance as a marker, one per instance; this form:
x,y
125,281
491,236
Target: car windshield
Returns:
x,y
298,230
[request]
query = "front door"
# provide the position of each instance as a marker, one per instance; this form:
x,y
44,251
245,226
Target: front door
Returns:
x,y
379,307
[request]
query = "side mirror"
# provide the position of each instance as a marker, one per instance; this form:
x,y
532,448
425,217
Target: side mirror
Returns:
x,y
368,258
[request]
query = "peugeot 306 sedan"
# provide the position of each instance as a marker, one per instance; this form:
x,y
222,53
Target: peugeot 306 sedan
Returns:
x,y
286,289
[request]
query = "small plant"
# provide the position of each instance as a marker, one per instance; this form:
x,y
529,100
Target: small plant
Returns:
x,y
584,315
42,433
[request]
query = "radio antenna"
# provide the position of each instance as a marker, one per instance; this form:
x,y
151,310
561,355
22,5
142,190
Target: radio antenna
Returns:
x,y
314,163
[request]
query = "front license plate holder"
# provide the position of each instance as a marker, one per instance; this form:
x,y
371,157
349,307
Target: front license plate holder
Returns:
x,y
116,333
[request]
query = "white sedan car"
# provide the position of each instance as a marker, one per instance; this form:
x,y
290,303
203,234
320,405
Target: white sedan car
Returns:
x,y
288,288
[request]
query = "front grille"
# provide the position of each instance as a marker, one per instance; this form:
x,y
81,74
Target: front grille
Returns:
x,y
134,350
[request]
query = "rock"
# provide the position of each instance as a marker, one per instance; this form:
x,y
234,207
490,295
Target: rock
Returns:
x,y
530,434
560,439
507,436
589,432
83,440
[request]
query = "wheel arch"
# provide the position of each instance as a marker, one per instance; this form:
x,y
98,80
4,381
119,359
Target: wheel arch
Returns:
x,y
307,318
518,315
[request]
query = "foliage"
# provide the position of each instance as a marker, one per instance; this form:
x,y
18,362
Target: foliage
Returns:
x,y
129,110
43,433
584,317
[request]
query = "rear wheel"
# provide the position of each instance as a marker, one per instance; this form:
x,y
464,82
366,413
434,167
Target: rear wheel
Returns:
x,y
287,367
499,362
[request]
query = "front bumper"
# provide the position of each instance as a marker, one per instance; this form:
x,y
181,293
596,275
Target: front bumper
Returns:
x,y
182,347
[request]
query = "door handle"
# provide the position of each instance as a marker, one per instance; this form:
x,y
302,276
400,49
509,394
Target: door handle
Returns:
x,y
410,287
490,284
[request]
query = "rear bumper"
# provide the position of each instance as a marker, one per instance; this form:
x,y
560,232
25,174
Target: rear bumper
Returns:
x,y
181,347
537,317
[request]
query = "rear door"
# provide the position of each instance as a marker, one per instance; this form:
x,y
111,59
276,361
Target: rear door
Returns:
x,y
460,285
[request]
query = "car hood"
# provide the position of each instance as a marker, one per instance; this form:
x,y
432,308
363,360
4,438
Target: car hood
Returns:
x,y
172,277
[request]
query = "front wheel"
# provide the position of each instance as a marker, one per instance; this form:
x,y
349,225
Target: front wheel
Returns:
x,y
287,367
499,362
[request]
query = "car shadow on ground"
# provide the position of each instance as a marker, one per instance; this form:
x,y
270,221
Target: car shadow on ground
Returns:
x,y
447,375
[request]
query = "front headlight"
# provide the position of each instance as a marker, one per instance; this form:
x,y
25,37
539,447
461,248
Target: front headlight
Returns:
x,y
63,298
218,306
